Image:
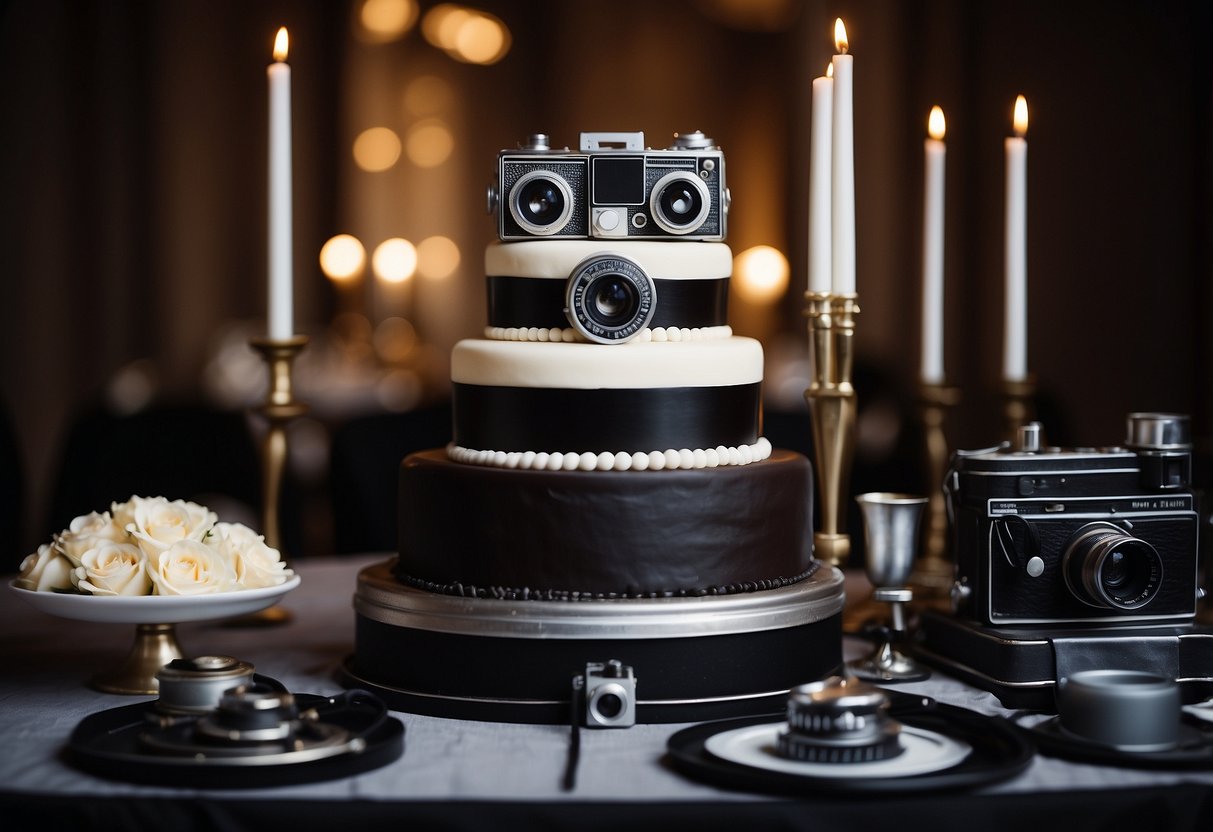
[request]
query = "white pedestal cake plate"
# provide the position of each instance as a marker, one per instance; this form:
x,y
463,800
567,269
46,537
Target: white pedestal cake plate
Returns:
x,y
155,618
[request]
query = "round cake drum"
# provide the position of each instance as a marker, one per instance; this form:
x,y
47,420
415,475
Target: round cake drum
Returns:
x,y
694,658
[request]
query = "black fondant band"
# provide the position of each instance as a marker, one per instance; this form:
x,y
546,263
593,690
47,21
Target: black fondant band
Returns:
x,y
539,302
565,420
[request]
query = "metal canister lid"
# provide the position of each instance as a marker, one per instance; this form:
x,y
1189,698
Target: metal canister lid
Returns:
x,y
196,685
839,720
1159,432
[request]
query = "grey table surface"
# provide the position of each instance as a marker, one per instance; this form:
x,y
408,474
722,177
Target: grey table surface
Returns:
x,y
45,663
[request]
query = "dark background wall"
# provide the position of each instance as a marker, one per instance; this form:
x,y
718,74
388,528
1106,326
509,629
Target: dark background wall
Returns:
x,y
132,180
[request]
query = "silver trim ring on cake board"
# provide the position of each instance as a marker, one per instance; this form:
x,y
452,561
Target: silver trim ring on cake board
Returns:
x,y
696,658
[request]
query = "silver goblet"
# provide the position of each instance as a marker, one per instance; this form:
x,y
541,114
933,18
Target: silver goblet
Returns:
x,y
891,536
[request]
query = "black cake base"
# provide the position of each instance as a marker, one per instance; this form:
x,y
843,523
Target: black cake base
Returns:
x,y
694,659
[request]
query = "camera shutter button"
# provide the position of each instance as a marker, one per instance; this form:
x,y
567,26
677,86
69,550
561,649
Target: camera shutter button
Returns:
x,y
607,220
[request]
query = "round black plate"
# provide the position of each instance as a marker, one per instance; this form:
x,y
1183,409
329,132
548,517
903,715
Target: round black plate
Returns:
x,y
1000,751
107,744
1195,750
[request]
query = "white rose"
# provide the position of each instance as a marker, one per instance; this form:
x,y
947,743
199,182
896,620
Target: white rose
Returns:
x,y
45,571
255,564
113,569
190,567
87,532
124,513
158,524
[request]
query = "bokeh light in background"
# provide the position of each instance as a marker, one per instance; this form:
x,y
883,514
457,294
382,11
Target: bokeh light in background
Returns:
x,y
437,257
427,95
429,143
467,35
394,260
376,149
760,274
342,258
383,21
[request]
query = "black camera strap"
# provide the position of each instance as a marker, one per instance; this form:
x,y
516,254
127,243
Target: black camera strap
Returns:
x,y
1006,540
576,708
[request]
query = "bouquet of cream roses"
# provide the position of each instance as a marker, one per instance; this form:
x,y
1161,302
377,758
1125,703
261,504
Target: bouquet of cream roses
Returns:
x,y
150,546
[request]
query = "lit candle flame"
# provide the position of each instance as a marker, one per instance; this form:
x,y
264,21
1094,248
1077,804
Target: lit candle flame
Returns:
x,y
830,70
281,44
840,36
936,126
1021,116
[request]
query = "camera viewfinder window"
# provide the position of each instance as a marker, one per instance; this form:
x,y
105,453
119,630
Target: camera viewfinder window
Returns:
x,y
618,180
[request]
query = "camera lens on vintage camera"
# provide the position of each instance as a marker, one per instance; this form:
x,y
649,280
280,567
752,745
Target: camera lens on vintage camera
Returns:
x,y
541,202
680,202
609,299
1106,567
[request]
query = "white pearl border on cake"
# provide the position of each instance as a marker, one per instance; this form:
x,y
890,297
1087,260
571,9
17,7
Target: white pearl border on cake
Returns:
x,y
568,335
622,461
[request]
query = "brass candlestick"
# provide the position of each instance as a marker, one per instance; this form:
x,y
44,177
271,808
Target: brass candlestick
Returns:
x,y
933,570
1018,404
279,409
832,407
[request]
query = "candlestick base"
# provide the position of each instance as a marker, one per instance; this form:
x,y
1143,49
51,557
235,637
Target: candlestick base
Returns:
x,y
933,571
279,409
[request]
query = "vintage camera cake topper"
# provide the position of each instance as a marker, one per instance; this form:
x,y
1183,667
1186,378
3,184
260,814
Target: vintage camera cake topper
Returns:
x,y
611,187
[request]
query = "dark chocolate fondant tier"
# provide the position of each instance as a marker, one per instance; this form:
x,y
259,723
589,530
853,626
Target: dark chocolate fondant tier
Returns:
x,y
485,531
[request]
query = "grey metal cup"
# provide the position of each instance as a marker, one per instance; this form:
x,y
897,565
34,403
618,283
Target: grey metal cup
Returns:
x,y
890,523
1129,710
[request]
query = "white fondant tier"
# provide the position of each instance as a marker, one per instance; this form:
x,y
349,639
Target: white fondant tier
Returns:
x,y
557,258
706,363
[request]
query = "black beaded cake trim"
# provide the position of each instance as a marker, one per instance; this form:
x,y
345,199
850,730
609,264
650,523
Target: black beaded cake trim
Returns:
x,y
527,594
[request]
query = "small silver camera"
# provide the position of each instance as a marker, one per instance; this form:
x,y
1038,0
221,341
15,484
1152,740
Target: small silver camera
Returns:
x,y
612,187
610,694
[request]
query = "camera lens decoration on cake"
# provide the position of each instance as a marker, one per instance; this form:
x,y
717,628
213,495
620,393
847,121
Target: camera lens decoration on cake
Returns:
x,y
541,202
609,299
680,202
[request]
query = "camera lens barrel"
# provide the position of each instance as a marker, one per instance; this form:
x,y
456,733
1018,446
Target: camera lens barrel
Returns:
x,y
609,298
1106,567
541,202
680,202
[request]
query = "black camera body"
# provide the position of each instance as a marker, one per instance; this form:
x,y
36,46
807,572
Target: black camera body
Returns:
x,y
1083,536
612,187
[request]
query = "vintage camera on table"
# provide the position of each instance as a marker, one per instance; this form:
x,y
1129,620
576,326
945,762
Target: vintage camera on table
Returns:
x,y
1073,559
606,693
1078,536
612,187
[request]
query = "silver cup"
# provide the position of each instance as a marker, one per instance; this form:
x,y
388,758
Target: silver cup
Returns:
x,y
891,534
